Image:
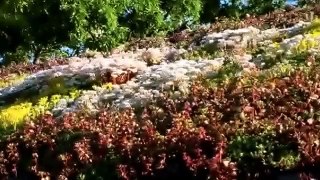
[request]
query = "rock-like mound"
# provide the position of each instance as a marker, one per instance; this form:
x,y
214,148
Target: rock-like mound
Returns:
x,y
135,78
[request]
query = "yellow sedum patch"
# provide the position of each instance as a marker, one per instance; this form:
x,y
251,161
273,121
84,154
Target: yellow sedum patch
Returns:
x,y
11,81
107,86
306,44
314,27
13,115
315,34
311,39
275,45
16,114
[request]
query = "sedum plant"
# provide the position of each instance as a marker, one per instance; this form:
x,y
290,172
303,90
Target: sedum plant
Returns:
x,y
311,39
314,27
13,115
263,148
107,86
306,44
10,81
224,132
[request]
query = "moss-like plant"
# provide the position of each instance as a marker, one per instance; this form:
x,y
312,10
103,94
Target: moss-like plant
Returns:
x,y
13,115
225,74
56,85
311,39
107,86
262,149
313,28
103,86
306,44
10,81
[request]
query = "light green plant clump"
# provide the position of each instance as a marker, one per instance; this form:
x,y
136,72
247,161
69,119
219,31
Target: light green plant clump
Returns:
x,y
264,147
314,27
14,115
311,39
11,81
307,43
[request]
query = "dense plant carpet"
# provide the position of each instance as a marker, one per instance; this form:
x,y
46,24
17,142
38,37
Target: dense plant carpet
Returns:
x,y
228,132
238,104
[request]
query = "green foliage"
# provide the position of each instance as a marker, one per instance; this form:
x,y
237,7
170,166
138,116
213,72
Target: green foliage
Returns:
x,y
263,148
236,9
104,28
233,9
144,18
181,12
38,28
11,25
210,10
262,7
96,23
303,3
20,55
56,85
226,74
41,25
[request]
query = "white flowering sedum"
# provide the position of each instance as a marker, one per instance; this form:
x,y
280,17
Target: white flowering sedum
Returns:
x,y
77,71
149,84
244,36
150,81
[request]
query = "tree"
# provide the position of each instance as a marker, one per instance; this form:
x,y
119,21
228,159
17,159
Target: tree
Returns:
x,y
210,10
178,13
262,7
48,25
11,25
34,26
143,18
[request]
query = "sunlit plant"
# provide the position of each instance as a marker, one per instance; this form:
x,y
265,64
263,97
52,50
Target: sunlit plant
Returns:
x,y
107,86
13,115
10,81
